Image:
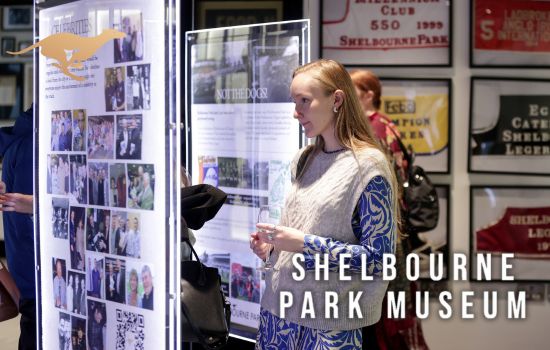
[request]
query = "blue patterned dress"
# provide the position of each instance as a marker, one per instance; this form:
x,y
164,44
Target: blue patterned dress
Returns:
x,y
372,224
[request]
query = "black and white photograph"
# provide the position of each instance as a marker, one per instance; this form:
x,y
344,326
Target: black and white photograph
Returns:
x,y
235,172
60,217
101,134
273,65
17,18
95,275
114,89
115,280
62,135
77,289
141,188
64,329
128,136
117,236
77,220
131,47
78,178
79,130
59,267
117,185
97,325
98,184
98,222
78,334
138,93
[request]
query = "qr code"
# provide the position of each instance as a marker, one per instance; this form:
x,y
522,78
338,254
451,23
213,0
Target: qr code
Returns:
x,y
130,333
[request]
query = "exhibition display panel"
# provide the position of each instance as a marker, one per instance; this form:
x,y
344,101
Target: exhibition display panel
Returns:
x,y
107,186
241,137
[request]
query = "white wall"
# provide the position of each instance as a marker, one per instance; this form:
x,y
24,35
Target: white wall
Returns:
x,y
456,333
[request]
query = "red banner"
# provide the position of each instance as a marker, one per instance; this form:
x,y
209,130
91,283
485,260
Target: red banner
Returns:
x,y
512,25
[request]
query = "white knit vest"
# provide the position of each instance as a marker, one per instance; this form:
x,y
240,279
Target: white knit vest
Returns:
x,y
322,203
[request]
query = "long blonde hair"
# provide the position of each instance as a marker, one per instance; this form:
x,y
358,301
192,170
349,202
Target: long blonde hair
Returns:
x,y
351,129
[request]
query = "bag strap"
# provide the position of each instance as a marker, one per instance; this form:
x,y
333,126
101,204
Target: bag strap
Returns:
x,y
7,281
202,273
406,154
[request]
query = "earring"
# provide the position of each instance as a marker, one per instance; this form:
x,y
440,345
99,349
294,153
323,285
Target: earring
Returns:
x,y
335,110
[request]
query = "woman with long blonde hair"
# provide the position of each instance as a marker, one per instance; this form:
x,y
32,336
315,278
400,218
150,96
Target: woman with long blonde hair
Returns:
x,y
342,204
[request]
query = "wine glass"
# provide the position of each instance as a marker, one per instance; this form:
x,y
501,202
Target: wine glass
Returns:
x,y
268,215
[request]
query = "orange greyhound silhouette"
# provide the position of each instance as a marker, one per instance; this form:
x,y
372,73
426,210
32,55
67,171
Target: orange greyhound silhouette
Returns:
x,y
54,47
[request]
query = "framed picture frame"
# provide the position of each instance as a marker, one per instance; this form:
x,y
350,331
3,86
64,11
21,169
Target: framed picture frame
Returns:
x,y
502,37
18,17
508,219
421,110
11,90
8,44
509,132
377,34
219,13
435,241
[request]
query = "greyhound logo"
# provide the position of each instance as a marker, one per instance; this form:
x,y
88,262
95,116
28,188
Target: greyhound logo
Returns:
x,y
70,50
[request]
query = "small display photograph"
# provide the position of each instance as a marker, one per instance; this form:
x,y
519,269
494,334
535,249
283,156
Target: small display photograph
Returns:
x,y
147,277
117,185
58,174
64,330
134,284
97,226
59,267
97,325
128,139
114,89
77,219
139,287
78,333
60,217
62,136
115,278
244,283
507,219
78,178
141,189
95,275
76,293
98,187
138,94
129,242
79,130
208,170
101,135
119,227
509,126
130,48
503,35
235,172
130,329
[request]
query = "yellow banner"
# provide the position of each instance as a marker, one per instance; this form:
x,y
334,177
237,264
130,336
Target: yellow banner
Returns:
x,y
423,121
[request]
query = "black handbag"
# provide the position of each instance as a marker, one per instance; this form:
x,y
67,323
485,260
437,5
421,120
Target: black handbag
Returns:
x,y
206,313
419,195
